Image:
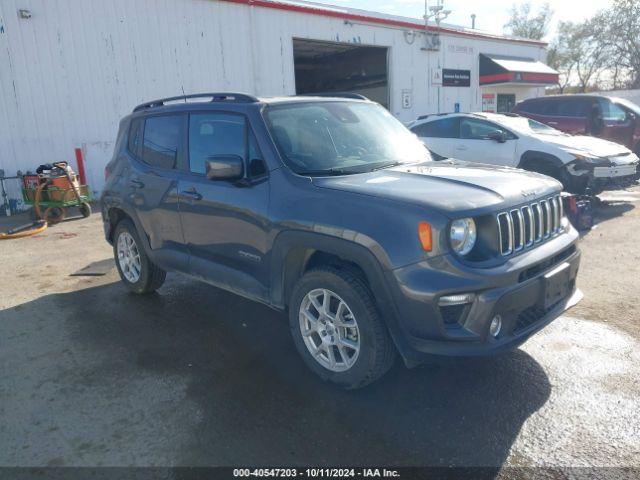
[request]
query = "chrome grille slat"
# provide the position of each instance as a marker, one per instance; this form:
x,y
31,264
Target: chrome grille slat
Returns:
x,y
518,230
523,227
529,227
546,216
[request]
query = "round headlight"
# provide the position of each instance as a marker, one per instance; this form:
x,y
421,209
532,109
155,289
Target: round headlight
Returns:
x,y
463,235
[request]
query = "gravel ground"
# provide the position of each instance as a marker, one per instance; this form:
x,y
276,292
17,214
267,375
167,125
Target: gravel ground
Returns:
x,y
92,375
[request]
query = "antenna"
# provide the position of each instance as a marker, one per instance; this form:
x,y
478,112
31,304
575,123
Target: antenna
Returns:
x,y
184,94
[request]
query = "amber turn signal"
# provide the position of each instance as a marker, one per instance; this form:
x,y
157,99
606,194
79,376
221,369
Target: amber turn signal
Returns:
x,y
424,232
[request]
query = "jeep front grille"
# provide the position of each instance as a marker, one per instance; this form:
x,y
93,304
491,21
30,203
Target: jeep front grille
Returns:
x,y
523,227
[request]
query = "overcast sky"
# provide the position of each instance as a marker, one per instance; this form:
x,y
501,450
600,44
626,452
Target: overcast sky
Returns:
x,y
491,15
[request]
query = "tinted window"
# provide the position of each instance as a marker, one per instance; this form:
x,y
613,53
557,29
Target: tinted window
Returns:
x,y
572,108
135,132
161,140
611,111
531,107
444,128
473,129
215,134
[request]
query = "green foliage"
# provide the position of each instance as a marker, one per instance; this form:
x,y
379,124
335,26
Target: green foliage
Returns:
x,y
526,24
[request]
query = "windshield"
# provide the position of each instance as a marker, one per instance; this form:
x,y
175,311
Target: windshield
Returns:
x,y
338,138
527,126
538,127
630,105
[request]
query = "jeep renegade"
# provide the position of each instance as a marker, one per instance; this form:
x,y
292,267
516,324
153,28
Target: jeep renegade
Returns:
x,y
328,208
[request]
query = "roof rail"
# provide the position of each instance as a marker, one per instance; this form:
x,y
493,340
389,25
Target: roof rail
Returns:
x,y
355,96
215,97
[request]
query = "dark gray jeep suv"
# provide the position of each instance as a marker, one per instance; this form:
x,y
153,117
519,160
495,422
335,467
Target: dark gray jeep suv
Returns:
x,y
330,209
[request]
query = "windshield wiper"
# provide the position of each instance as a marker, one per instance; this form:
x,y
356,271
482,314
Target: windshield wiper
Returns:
x,y
329,171
383,165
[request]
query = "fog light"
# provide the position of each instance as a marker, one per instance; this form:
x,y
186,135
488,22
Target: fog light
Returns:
x,y
456,299
496,326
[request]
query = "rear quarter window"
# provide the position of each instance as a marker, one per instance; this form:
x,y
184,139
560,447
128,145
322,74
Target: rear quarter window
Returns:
x,y
444,128
135,134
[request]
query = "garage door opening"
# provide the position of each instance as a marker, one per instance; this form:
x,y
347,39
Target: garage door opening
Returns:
x,y
325,67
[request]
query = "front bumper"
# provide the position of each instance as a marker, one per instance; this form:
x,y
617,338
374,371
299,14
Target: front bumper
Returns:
x,y
515,291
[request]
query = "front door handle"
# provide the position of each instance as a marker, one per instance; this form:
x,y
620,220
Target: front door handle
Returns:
x,y
191,194
461,147
136,184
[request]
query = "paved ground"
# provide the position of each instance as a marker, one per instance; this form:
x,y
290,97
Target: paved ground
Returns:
x,y
92,375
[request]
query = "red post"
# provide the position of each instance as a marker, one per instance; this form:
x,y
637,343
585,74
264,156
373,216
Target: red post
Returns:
x,y
80,162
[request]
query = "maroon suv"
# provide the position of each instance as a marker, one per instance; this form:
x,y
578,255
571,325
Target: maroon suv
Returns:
x,y
614,119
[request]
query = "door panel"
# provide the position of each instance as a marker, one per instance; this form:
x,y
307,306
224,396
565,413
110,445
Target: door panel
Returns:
x,y
617,125
224,222
439,135
152,186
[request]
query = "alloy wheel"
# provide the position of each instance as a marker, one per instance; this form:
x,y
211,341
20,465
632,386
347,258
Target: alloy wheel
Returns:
x,y
329,330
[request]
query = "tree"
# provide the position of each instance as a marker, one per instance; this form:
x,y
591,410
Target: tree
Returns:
x,y
578,54
526,24
560,59
620,36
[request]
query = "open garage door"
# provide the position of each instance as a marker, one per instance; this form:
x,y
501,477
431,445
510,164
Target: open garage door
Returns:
x,y
325,67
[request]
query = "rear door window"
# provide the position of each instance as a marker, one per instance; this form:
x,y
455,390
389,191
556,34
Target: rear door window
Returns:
x,y
572,108
443,128
162,140
135,134
215,133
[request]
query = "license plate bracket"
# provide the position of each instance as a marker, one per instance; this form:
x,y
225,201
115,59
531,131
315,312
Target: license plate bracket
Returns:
x,y
556,285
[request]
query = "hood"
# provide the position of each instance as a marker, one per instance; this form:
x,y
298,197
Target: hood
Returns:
x,y
449,186
588,146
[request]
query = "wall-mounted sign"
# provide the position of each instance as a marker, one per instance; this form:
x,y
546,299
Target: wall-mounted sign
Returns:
x,y
488,102
406,98
456,78
436,76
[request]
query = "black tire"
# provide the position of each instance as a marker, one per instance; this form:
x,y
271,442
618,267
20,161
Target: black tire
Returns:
x,y
85,209
377,351
151,276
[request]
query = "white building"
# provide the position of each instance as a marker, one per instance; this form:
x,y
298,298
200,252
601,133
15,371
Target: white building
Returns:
x,y
72,68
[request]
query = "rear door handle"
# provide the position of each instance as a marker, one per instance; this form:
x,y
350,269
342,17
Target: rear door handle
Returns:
x,y
136,184
552,123
191,194
461,147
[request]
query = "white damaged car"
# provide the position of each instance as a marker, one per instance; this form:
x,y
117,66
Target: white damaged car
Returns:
x,y
584,165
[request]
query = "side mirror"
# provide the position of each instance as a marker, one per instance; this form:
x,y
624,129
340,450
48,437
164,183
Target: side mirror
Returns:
x,y
498,136
224,167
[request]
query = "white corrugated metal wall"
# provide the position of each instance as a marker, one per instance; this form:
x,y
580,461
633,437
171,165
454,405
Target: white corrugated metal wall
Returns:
x,y
72,70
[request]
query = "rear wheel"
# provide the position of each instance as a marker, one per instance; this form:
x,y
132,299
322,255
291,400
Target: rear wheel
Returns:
x,y
136,270
337,330
85,209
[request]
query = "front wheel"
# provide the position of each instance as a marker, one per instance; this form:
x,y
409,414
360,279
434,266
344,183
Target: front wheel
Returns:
x,y
136,270
337,330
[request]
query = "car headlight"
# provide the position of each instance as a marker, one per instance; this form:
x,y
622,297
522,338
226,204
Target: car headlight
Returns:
x,y
591,160
462,235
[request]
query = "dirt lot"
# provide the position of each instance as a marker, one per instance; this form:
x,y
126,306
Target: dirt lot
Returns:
x,y
92,375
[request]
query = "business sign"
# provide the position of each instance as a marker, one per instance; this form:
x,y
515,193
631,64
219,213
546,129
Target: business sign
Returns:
x,y
456,78
488,102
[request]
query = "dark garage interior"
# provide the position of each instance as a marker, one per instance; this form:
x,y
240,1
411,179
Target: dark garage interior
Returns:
x,y
324,67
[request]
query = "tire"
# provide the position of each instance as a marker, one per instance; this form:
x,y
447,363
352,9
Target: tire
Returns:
x,y
376,352
85,209
149,276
